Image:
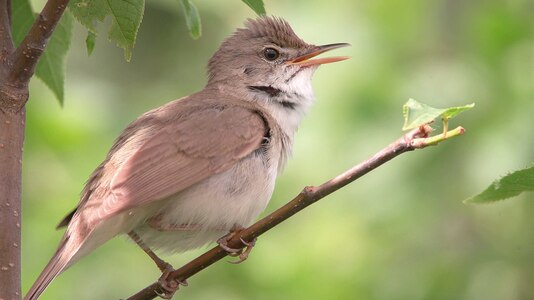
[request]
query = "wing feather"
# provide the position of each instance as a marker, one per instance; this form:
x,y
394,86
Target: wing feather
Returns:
x,y
185,152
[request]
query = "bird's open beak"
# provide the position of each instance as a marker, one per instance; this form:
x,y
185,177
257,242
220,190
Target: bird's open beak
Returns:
x,y
305,60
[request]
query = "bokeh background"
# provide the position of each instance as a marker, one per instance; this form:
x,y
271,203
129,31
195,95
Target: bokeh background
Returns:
x,y
401,232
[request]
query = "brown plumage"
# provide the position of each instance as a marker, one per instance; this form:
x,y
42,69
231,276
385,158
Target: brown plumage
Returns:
x,y
206,163
275,30
146,166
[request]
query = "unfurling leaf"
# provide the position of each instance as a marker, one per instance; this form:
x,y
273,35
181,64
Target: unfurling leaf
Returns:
x,y
257,6
192,18
417,113
508,186
451,112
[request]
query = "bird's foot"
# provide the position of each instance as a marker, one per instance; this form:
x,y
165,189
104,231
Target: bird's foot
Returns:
x,y
242,253
168,285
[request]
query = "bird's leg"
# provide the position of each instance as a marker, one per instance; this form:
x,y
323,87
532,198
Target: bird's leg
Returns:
x,y
169,286
243,253
162,265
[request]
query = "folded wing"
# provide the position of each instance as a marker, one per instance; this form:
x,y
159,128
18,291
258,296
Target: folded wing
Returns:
x,y
185,152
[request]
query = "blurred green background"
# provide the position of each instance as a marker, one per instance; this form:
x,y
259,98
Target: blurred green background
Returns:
x,y
401,232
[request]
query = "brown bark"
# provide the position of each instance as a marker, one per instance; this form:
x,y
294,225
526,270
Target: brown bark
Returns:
x,y
11,139
17,66
32,47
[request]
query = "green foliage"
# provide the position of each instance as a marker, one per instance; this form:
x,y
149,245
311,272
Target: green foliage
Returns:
x,y
257,6
417,113
22,19
508,186
51,66
192,18
126,16
90,41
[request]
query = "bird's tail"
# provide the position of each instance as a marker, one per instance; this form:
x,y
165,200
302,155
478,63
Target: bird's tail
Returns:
x,y
59,262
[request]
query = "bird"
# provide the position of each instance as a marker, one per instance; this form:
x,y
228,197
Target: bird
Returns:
x,y
182,175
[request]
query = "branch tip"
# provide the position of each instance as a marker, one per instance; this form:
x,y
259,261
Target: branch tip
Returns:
x,y
419,143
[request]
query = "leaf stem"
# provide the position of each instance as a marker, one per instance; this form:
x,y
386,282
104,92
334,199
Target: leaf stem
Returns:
x,y
445,125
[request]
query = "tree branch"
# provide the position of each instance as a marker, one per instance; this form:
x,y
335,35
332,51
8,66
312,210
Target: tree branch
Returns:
x,y
6,40
415,139
32,47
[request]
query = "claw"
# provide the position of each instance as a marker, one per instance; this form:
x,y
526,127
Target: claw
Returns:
x,y
223,243
242,253
169,286
182,282
163,295
166,294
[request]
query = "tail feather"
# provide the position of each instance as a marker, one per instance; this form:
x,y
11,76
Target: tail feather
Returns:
x,y
59,262
81,238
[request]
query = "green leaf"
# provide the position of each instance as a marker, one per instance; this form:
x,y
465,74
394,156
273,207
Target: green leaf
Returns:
x,y
22,19
508,186
192,18
417,113
90,42
51,66
454,111
257,6
126,16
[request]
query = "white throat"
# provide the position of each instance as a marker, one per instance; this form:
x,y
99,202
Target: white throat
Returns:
x,y
295,98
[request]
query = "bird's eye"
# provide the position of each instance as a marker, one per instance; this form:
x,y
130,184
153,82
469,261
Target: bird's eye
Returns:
x,y
271,54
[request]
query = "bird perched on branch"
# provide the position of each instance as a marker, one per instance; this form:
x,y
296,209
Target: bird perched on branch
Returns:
x,y
186,173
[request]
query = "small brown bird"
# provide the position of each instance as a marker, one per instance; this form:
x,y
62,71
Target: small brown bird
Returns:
x,y
186,173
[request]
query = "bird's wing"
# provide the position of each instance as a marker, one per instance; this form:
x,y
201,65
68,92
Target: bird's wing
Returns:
x,y
183,153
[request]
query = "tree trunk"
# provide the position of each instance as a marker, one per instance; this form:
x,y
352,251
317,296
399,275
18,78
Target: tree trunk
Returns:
x,y
17,67
11,141
13,97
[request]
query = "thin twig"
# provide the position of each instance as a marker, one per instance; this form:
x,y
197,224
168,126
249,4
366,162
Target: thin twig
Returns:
x,y
415,139
28,53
